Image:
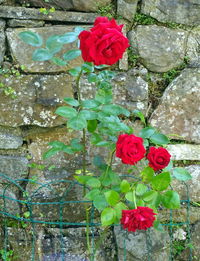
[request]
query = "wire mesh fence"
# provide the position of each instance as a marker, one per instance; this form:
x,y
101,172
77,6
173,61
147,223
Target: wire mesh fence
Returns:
x,y
22,210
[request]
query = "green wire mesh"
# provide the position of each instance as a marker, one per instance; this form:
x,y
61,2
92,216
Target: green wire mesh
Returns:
x,y
30,202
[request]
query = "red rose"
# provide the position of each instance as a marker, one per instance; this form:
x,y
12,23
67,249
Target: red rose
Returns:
x,y
104,43
130,149
158,158
140,218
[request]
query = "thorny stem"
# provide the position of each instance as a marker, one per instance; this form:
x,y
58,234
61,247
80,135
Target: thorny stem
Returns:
x,y
87,210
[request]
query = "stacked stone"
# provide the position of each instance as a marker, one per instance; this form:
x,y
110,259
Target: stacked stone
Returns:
x,y
28,123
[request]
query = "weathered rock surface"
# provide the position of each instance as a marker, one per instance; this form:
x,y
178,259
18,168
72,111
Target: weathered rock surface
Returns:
x,y
35,14
14,167
179,110
25,23
159,48
37,99
193,185
79,5
48,244
129,90
183,12
193,50
184,151
2,40
10,138
127,8
22,52
195,237
180,215
8,200
137,248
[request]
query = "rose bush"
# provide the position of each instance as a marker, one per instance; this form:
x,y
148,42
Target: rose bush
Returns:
x,y
131,202
104,43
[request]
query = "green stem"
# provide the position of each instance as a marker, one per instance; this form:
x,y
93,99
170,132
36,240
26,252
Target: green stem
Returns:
x,y
109,165
134,199
84,167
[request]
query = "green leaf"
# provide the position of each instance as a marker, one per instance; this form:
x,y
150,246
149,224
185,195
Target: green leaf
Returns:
x,y
31,38
124,186
95,138
158,226
108,216
140,115
150,196
112,197
147,132
51,152
161,181
169,166
118,209
78,30
56,144
53,45
170,199
159,139
88,67
103,143
92,194
140,189
41,55
92,77
72,54
147,174
77,123
130,196
71,101
94,183
67,38
75,144
140,203
114,109
75,71
58,61
181,174
82,179
100,202
91,125
88,115
66,112
99,162
114,177
90,104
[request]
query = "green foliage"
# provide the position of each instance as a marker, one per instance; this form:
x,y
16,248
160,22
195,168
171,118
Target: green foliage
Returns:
x,y
144,19
31,38
161,181
170,199
108,10
133,57
181,174
6,255
46,11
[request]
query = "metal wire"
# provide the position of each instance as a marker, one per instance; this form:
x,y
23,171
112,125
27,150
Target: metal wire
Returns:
x,y
30,202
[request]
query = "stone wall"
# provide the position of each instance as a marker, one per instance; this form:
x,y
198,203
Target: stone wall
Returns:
x,y
159,75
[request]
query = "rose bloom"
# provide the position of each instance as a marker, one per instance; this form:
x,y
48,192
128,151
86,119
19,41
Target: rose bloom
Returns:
x,y
130,149
140,218
104,43
158,158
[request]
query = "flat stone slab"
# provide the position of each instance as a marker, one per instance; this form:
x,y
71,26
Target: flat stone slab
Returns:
x,y
179,111
184,151
37,99
14,167
35,14
183,12
2,40
159,48
22,52
25,23
192,184
10,138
